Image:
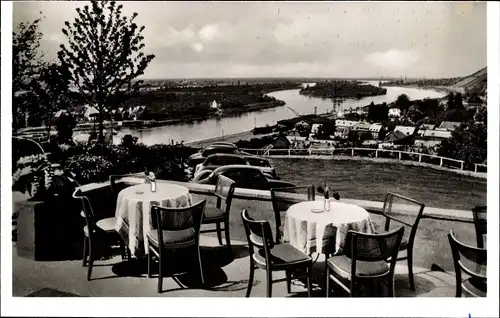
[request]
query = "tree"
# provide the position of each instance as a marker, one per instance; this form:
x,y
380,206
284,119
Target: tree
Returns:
x,y
468,142
378,113
403,102
26,62
105,54
459,101
51,89
451,101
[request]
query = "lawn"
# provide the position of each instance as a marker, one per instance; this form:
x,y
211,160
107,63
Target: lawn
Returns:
x,y
371,181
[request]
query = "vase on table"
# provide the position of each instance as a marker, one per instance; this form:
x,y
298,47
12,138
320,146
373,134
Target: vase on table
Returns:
x,y
327,204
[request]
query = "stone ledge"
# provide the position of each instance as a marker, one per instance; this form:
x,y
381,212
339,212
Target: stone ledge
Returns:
x,y
262,195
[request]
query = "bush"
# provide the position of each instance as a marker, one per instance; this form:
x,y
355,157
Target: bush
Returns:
x,y
89,168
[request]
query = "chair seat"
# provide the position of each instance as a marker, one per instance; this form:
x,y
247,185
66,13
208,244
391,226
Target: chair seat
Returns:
x,y
106,225
475,287
282,255
341,265
211,213
173,237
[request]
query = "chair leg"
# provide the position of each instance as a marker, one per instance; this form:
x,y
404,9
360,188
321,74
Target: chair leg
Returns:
x,y
327,281
84,261
269,286
122,249
200,266
91,258
250,278
390,286
226,230
309,280
219,234
410,268
150,261
288,282
160,274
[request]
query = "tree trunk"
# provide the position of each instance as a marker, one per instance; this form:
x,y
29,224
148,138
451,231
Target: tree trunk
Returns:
x,y
101,125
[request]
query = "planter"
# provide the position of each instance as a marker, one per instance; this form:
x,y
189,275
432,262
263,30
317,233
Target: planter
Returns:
x,y
50,230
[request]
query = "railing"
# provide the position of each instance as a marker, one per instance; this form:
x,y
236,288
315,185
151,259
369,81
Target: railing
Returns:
x,y
370,153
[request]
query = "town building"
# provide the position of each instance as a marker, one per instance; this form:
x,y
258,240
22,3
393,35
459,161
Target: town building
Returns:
x,y
448,125
407,130
432,138
375,130
394,112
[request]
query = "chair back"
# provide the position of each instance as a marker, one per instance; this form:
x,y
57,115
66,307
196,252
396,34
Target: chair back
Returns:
x,y
480,223
413,211
258,235
224,191
177,219
373,247
87,209
281,202
468,259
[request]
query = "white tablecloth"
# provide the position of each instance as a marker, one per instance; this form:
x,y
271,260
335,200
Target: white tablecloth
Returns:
x,y
303,227
133,211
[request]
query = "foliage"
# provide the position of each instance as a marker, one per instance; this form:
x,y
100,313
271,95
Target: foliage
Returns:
x,y
256,143
346,89
378,113
403,102
105,54
64,126
89,168
468,143
51,89
325,130
26,62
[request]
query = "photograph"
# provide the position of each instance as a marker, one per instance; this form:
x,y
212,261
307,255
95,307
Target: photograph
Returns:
x,y
248,149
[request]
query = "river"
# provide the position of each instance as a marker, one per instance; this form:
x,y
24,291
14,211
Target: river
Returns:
x,y
217,127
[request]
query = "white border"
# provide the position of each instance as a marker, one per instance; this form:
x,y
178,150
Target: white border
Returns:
x,y
223,307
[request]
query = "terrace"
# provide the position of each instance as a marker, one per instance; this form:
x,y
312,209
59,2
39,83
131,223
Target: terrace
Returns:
x,y
226,275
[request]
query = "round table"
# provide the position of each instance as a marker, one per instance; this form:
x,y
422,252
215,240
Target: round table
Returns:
x,y
303,227
133,211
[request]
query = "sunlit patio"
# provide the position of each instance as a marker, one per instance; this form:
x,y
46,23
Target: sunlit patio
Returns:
x,y
227,273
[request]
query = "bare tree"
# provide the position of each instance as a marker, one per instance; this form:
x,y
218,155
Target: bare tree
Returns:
x,y
104,55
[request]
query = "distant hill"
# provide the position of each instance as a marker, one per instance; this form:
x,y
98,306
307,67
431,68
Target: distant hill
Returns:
x,y
475,82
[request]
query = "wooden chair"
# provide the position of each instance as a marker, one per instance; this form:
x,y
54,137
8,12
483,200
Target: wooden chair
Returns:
x,y
174,228
224,191
282,203
414,210
472,261
365,259
480,224
272,257
96,230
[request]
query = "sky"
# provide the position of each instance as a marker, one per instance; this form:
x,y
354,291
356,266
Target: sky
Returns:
x,y
294,39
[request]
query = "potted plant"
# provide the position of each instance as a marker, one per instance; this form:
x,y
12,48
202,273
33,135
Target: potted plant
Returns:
x,y
48,222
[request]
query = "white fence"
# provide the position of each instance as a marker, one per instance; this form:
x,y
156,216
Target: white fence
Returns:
x,y
370,153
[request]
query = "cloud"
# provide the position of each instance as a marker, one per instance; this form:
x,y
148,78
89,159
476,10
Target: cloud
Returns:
x,y
338,39
198,47
393,59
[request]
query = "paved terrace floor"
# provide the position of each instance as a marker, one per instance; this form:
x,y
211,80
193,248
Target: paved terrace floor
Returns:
x,y
226,275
